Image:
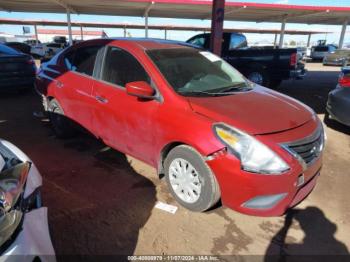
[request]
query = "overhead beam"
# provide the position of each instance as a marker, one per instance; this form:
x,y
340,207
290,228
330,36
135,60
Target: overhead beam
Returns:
x,y
271,19
4,9
234,10
65,6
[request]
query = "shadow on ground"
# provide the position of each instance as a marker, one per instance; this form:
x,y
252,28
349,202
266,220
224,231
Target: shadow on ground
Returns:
x,y
318,241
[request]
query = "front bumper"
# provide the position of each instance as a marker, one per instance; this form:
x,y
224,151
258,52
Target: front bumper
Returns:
x,y
262,194
298,73
31,238
239,187
334,63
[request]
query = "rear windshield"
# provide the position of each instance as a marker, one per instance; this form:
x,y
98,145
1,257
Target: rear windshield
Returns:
x,y
5,50
321,48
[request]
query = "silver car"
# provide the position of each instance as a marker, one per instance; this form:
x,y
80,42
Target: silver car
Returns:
x,y
339,57
24,232
319,52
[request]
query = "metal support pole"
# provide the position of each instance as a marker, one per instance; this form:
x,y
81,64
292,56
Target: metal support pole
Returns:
x,y
275,41
36,34
145,15
283,28
342,34
217,25
308,40
124,31
81,33
69,28
146,25
165,34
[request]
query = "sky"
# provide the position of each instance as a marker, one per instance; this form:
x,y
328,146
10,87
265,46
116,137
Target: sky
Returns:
x,y
332,37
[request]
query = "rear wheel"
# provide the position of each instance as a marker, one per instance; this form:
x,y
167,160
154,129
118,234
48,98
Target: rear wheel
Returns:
x,y
190,180
61,125
258,75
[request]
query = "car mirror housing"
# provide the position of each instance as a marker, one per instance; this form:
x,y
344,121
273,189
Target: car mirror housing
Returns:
x,y
140,89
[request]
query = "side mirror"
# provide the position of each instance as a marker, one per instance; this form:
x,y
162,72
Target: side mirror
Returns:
x,y
140,89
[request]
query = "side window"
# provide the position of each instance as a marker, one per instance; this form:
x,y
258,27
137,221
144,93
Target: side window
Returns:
x,y
84,59
120,68
200,41
237,41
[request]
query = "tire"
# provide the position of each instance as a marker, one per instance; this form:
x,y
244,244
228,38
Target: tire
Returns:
x,y
61,125
209,193
258,75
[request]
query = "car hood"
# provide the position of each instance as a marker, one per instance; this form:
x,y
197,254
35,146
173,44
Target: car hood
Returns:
x,y
259,111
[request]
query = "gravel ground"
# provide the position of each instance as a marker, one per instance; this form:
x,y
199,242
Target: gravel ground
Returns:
x,y
102,202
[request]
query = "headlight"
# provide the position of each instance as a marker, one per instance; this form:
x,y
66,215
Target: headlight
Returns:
x,y
12,181
254,156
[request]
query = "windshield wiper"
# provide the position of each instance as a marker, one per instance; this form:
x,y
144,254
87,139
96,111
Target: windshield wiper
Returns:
x,y
235,88
202,93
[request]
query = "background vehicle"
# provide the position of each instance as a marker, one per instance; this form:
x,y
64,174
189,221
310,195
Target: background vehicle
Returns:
x,y
24,227
338,104
320,51
191,115
340,57
21,47
264,66
46,50
17,70
32,42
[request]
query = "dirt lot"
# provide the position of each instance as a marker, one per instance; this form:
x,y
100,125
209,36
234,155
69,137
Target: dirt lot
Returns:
x,y
102,202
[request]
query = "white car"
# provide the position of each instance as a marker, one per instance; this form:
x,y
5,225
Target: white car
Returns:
x,y
24,232
46,50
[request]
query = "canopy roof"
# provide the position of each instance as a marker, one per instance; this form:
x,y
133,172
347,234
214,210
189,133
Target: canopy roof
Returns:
x,y
156,27
194,9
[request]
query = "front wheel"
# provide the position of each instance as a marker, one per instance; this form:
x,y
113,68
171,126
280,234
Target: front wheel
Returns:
x,y
190,180
61,125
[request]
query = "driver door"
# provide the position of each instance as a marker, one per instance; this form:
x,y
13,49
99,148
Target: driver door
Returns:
x,y
125,122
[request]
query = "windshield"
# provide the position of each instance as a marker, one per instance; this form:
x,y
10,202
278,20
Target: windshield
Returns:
x,y
190,71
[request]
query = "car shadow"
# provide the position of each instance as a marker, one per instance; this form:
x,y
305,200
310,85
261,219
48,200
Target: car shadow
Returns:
x,y
318,242
100,209
336,126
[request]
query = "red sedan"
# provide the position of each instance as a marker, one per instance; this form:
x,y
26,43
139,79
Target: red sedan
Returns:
x,y
211,132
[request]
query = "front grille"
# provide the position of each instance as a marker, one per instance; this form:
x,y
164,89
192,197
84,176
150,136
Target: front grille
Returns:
x,y
309,148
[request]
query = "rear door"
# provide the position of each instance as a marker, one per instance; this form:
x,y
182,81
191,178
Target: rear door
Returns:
x,y
124,122
74,86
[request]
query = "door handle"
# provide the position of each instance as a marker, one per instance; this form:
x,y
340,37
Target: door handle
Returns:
x,y
101,99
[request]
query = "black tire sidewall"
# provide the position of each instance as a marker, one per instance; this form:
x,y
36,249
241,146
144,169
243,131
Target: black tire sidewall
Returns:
x,y
210,191
262,72
62,128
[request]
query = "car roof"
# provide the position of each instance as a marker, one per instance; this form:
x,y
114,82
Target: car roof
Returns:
x,y
144,43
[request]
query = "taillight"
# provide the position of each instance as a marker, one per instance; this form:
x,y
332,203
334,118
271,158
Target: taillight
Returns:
x,y
344,80
31,61
293,59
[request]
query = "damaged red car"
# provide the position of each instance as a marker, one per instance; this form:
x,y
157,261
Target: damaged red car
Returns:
x,y
212,133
